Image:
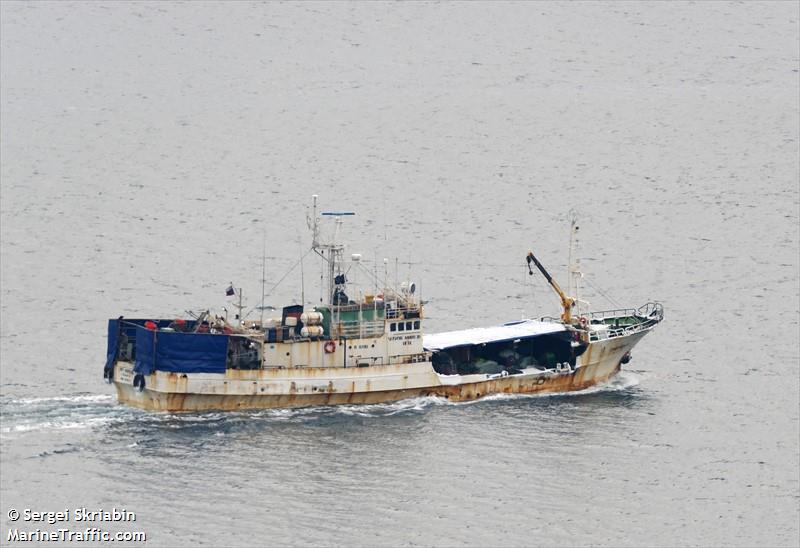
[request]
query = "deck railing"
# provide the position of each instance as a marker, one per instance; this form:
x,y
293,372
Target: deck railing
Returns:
x,y
357,330
647,311
645,317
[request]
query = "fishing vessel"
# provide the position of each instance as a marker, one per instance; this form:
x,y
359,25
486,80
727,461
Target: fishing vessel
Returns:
x,y
361,347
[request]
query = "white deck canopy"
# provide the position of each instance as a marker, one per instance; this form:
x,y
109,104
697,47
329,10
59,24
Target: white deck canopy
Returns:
x,y
482,335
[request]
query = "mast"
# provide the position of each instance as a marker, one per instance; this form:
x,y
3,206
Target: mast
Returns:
x,y
573,270
315,227
385,276
302,283
239,306
263,273
334,251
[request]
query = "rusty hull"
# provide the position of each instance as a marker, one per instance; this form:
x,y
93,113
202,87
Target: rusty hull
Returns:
x,y
513,384
320,386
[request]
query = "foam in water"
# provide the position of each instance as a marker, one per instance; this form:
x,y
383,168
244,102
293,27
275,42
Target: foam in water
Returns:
x,y
25,415
75,399
621,382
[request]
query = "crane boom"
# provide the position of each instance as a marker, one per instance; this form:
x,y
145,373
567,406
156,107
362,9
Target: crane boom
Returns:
x,y
566,302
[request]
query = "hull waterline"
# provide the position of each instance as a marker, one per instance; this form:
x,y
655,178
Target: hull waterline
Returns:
x,y
285,388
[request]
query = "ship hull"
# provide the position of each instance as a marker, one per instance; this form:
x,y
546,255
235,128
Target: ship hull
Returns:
x,y
305,387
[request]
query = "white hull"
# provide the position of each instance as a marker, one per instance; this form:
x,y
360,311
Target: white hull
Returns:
x,y
311,386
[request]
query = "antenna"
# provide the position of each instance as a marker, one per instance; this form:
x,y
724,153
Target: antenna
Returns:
x,y
302,283
263,271
573,269
321,277
315,226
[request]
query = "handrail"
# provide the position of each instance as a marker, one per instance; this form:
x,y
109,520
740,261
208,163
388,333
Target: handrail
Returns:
x,y
647,311
613,332
356,329
648,316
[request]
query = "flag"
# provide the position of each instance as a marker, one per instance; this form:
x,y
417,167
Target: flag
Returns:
x,y
230,291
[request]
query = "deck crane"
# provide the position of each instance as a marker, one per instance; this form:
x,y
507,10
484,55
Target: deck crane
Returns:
x,y
566,302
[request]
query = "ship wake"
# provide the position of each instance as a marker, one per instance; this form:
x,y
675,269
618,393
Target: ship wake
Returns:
x,y
47,414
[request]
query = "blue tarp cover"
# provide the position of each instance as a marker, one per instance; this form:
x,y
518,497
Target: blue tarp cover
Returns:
x,y
113,341
179,352
124,331
191,352
145,351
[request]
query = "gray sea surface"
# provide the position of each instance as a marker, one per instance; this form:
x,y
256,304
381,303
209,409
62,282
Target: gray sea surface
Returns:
x,y
151,150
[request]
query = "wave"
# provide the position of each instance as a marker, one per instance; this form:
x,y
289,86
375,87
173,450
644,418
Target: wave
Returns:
x,y
24,415
77,399
620,383
55,425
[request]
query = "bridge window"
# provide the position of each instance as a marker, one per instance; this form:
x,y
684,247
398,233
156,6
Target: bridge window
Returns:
x,y
401,326
416,324
409,326
393,326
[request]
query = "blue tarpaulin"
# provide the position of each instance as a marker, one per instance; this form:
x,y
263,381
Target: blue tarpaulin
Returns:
x,y
191,352
179,352
113,341
145,351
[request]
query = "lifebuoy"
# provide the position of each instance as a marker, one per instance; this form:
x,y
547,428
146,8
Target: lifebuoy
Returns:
x,y
330,347
138,382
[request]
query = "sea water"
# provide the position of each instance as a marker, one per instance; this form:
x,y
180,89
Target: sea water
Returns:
x,y
153,153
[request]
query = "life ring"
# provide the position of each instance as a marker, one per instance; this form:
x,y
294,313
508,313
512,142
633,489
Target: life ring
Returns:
x,y
138,382
583,321
330,347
